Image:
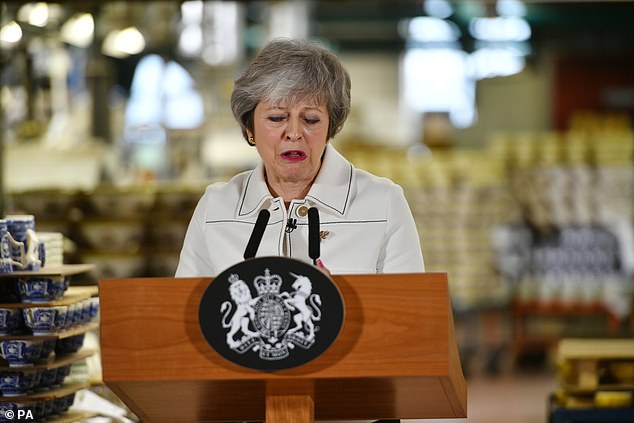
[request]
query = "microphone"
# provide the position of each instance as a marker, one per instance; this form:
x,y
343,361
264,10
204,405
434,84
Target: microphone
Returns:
x,y
291,224
313,234
256,235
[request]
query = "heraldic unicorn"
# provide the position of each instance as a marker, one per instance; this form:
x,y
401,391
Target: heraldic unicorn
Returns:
x,y
263,323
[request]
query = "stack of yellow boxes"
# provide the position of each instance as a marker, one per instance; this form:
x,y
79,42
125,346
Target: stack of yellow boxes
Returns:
x,y
596,381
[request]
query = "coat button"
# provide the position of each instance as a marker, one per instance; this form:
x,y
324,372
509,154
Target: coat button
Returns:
x,y
302,211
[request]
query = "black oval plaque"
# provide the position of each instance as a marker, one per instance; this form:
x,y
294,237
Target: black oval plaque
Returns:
x,y
271,313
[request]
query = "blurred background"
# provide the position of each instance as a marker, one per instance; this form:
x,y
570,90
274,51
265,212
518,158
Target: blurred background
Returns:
x,y
509,124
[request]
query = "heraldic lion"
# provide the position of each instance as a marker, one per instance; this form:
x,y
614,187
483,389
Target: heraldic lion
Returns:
x,y
241,295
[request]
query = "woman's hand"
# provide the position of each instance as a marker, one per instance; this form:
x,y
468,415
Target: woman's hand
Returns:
x,y
320,264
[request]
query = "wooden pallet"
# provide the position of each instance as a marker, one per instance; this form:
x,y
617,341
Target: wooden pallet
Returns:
x,y
587,365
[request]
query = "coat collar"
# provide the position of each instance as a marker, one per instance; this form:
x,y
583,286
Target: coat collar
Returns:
x,y
331,189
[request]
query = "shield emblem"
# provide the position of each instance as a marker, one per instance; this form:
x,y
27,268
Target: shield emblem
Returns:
x,y
271,313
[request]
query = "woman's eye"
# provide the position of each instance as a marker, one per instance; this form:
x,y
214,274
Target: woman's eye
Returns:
x,y
276,118
311,120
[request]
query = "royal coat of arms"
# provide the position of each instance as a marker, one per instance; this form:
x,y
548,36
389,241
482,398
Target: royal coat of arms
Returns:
x,y
271,313
273,322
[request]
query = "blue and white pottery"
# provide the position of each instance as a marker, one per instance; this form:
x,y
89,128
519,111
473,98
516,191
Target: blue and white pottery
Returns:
x,y
32,260
18,382
21,352
62,404
61,374
42,253
47,379
5,248
73,315
42,289
11,321
7,245
70,400
49,407
18,224
5,265
86,307
69,345
9,291
48,346
45,320
94,307
59,405
22,230
39,411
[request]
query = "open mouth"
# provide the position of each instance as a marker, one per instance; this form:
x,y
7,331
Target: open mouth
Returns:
x,y
294,155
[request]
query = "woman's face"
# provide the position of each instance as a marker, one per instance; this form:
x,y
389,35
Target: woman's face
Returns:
x,y
291,139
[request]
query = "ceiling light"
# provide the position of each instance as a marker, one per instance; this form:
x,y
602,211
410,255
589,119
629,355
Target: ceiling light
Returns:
x,y
35,14
190,42
10,33
438,8
500,29
510,8
490,62
123,43
78,30
428,29
192,11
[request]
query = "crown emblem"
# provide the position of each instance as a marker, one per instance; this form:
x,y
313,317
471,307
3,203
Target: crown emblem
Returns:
x,y
233,278
268,284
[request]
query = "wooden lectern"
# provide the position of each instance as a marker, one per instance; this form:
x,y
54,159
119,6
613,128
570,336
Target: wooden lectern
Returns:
x,y
395,357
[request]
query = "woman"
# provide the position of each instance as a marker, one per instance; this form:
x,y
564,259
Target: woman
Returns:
x,y
291,100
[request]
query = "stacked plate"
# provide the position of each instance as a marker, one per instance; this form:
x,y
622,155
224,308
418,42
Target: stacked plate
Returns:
x,y
53,247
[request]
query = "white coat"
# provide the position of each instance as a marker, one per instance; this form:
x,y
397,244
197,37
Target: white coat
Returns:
x,y
365,222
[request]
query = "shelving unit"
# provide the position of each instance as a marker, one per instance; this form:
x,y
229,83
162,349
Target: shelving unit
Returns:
x,y
63,270
134,231
525,340
36,400
73,294
52,393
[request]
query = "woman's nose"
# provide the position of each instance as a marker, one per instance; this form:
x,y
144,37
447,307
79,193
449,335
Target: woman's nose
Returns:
x,y
293,130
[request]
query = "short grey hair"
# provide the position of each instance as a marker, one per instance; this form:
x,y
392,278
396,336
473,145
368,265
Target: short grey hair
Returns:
x,y
289,70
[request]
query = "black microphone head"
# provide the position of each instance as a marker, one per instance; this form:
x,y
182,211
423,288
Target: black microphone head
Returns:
x,y
263,217
313,233
256,235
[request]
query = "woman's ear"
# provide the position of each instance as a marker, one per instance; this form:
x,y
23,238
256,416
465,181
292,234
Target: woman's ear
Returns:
x,y
250,138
